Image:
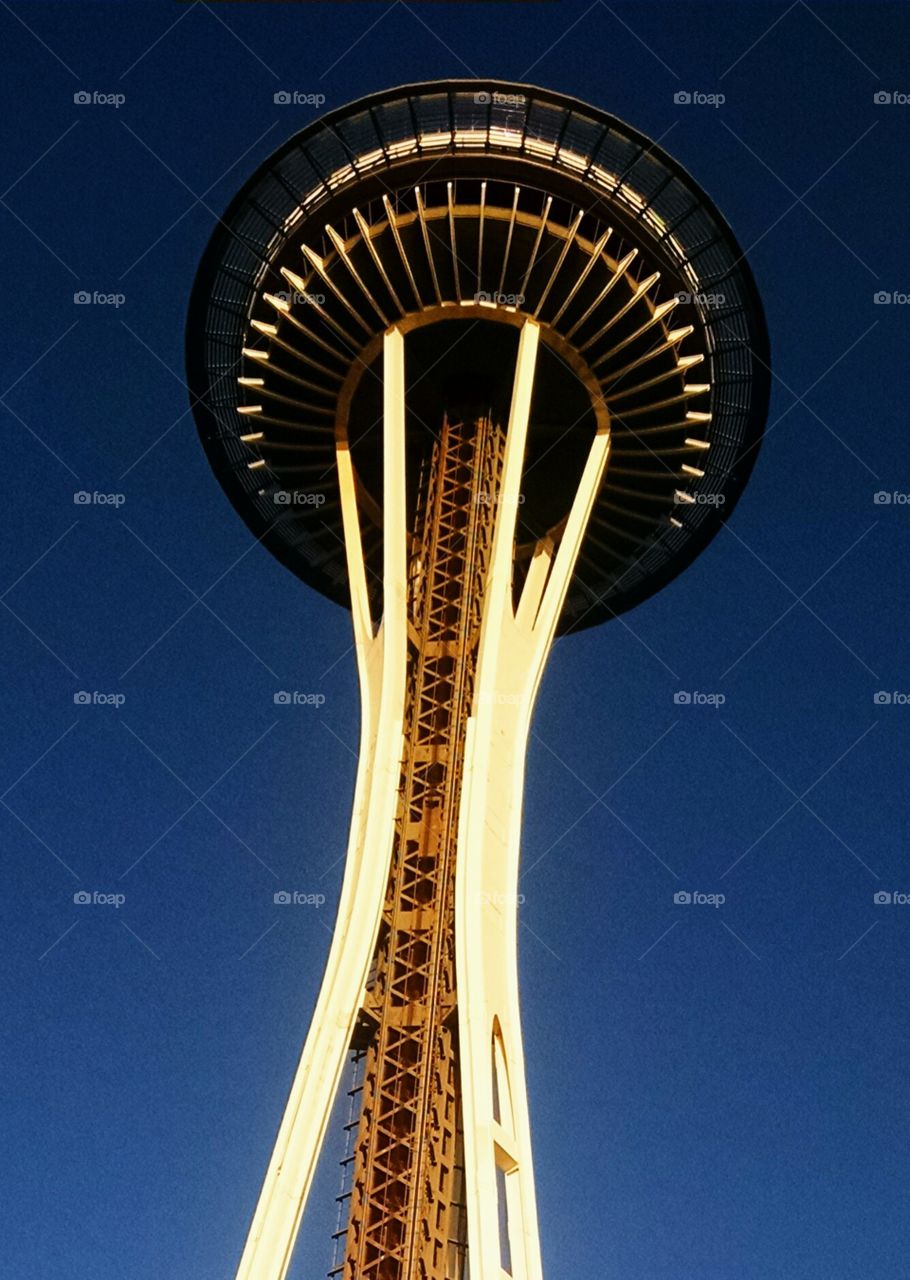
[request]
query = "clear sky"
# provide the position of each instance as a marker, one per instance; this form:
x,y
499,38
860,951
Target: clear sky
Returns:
x,y
716,1091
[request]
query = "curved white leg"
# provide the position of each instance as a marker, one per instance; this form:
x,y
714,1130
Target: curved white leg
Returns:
x,y
382,668
502,1213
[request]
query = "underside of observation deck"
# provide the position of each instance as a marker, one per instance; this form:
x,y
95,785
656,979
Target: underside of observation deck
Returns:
x,y
470,198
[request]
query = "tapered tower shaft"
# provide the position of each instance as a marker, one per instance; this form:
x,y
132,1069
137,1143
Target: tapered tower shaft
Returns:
x,y
489,230
407,1208
422,975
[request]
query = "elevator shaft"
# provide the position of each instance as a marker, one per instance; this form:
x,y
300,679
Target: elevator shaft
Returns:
x,y
407,1218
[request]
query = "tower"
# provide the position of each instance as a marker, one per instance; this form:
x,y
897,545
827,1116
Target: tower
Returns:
x,y
485,364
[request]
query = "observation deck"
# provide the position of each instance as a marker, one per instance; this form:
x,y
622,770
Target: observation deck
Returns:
x,y
456,211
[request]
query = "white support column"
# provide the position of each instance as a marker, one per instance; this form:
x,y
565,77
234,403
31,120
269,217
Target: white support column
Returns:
x,y
513,649
382,670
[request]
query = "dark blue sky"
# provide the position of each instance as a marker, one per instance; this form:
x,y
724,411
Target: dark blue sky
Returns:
x,y
716,1092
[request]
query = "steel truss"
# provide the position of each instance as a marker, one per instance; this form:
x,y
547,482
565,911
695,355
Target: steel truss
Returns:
x,y
407,1211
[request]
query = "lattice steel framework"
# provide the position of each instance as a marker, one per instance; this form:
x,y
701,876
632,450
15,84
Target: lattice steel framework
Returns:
x,y
407,1213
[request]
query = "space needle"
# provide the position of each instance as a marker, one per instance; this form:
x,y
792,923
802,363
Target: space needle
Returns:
x,y
483,364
